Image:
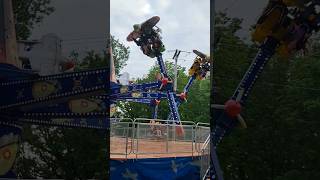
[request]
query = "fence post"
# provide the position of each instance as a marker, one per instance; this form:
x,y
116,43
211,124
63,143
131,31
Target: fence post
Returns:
x,y
137,138
127,140
196,138
167,138
132,136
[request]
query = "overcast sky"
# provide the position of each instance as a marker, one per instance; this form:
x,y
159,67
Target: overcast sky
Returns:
x,y
185,25
81,24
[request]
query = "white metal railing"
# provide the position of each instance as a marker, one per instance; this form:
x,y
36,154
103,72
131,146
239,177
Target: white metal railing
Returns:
x,y
163,136
202,130
122,129
205,158
132,136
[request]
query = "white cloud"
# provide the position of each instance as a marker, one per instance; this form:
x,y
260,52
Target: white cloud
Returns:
x,y
163,4
136,8
146,9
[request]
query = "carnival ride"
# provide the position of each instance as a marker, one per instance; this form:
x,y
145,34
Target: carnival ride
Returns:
x,y
74,99
147,36
155,138
284,28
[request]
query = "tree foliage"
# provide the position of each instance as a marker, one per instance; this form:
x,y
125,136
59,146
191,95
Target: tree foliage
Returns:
x,y
281,143
195,109
120,54
281,112
52,152
66,152
28,13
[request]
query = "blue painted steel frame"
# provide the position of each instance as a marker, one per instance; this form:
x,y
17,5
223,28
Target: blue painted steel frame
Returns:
x,y
224,123
170,94
11,80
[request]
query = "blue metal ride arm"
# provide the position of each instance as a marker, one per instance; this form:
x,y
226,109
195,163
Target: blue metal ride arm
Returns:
x,y
244,88
170,94
95,106
162,66
185,90
155,111
216,165
188,85
10,72
155,106
173,107
52,89
146,95
145,98
89,122
224,123
139,100
117,89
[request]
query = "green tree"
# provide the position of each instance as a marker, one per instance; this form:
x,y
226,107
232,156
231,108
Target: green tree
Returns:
x,y
63,153
66,152
28,13
281,112
52,152
93,60
120,54
195,109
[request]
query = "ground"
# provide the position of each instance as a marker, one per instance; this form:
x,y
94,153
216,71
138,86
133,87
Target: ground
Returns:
x,y
151,148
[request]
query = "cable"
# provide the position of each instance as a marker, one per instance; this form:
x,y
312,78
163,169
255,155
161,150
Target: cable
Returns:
x,y
179,50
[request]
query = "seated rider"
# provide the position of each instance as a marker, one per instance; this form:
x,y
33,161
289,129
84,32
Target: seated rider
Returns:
x,y
149,41
200,67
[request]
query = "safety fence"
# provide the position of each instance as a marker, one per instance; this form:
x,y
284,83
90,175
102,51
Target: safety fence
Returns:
x,y
134,138
205,159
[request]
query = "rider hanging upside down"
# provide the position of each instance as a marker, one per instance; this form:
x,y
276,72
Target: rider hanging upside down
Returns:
x,y
150,42
148,38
